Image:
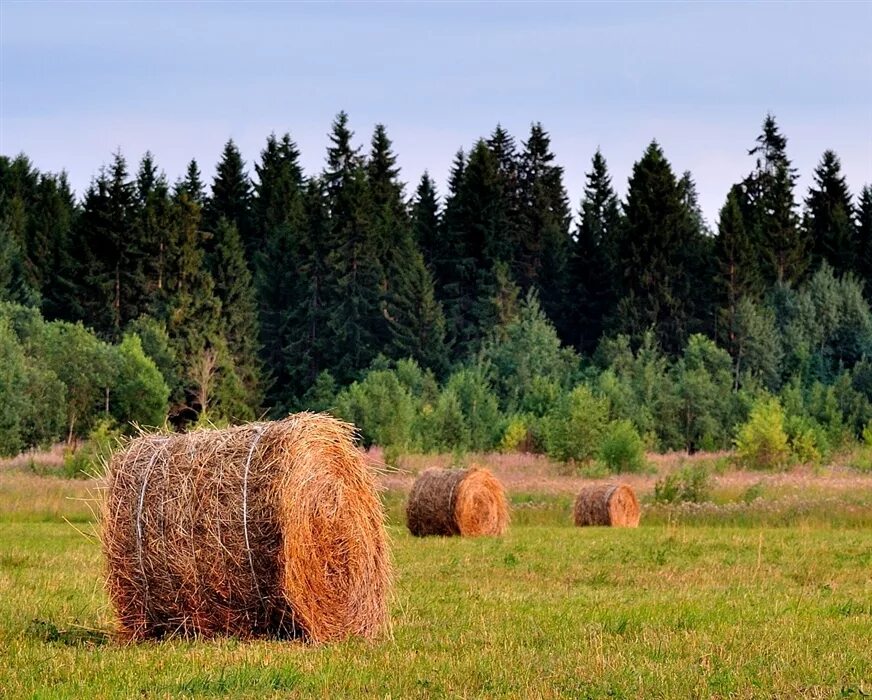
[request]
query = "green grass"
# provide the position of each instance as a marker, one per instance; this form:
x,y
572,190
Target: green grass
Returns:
x,y
677,608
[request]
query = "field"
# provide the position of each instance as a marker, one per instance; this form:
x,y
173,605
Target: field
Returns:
x,y
764,592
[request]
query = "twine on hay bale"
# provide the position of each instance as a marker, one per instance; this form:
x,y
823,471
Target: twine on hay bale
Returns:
x,y
468,502
265,529
607,504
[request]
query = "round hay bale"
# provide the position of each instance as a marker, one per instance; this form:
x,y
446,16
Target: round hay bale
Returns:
x,y
468,502
607,504
265,529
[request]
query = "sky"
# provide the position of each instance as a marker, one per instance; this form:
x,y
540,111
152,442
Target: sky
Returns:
x,y
78,81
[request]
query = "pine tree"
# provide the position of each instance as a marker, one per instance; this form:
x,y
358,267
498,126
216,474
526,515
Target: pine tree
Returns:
x,y
864,236
829,217
772,211
53,217
541,257
651,254
231,197
594,275
737,276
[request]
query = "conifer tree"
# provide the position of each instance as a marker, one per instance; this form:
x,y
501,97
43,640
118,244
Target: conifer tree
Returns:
x,y
52,218
829,217
594,277
279,207
772,210
108,287
450,260
152,230
696,258
864,237
651,254
426,219
542,254
192,185
356,321
231,197
239,326
737,276
415,324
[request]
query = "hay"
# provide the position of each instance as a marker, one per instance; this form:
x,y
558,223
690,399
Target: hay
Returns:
x,y
268,529
468,502
607,504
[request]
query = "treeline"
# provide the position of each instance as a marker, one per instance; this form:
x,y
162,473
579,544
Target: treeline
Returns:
x,y
270,293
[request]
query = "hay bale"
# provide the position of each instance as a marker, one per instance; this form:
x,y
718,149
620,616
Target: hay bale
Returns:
x,y
607,504
266,529
468,502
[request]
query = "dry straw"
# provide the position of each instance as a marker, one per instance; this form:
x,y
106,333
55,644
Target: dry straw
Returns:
x,y
607,504
469,502
263,529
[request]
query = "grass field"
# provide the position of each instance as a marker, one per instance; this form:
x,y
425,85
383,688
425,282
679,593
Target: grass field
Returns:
x,y
764,597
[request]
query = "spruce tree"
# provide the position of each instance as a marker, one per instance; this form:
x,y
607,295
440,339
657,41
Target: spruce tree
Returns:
x,y
192,185
107,284
356,322
53,218
594,277
864,237
697,259
415,325
239,325
152,230
828,218
280,217
231,197
426,219
651,254
771,212
737,276
450,260
541,257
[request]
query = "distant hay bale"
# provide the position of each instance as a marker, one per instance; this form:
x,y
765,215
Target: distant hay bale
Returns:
x,y
468,502
266,529
607,504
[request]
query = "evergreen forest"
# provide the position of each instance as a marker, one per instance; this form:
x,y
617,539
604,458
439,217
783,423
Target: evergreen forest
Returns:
x,y
501,313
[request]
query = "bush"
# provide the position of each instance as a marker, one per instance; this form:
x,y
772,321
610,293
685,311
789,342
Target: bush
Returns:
x,y
690,484
516,436
90,457
762,441
622,448
575,428
381,407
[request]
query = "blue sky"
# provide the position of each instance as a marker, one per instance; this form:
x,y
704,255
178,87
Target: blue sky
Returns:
x,y
80,80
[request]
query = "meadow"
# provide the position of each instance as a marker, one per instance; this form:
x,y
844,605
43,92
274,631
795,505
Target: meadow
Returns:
x,y
764,590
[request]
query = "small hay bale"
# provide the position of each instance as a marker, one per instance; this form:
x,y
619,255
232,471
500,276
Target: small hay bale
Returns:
x,y
266,529
468,502
607,504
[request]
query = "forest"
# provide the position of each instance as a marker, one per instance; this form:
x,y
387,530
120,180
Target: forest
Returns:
x,y
504,313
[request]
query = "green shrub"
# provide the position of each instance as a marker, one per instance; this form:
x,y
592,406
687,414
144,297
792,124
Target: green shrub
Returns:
x,y
381,408
762,442
516,436
689,484
575,428
90,457
622,449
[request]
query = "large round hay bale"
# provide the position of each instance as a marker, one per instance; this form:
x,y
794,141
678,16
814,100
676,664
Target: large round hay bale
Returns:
x,y
468,502
607,504
269,529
